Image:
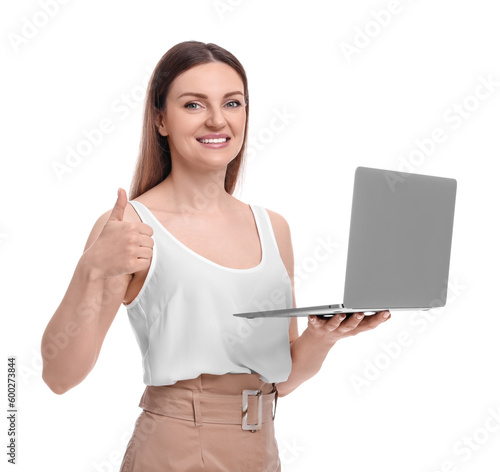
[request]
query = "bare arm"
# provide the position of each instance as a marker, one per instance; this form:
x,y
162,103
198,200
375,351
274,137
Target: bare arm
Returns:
x,y
74,336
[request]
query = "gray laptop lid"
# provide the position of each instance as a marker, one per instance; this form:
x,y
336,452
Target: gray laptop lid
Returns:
x,y
401,223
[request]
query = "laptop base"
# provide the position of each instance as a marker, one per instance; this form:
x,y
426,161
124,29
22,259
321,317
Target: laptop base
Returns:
x,y
323,311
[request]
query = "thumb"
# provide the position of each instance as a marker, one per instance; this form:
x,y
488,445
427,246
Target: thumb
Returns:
x,y
119,208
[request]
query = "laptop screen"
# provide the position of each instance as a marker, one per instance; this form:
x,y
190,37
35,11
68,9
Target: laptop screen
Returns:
x,y
399,239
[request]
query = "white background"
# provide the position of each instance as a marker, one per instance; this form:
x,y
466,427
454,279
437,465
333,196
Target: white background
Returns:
x,y
417,408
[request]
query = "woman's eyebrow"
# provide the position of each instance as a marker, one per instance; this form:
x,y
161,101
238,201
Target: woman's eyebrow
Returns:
x,y
201,95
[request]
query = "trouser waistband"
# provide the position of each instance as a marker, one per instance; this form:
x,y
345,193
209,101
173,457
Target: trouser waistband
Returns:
x,y
249,409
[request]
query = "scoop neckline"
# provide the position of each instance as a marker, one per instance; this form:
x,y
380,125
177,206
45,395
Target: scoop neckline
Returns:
x,y
203,258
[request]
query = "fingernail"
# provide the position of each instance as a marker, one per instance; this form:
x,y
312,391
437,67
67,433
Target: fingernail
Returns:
x,y
386,314
359,316
341,317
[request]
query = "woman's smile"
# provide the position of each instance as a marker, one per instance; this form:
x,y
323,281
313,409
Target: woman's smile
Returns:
x,y
214,141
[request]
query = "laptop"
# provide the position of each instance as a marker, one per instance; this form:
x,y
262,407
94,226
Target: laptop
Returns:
x,y
399,246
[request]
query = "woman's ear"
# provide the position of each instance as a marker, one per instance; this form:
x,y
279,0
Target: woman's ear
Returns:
x,y
159,124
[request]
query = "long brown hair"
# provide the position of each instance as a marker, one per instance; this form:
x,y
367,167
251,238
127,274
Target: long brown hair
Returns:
x,y
154,162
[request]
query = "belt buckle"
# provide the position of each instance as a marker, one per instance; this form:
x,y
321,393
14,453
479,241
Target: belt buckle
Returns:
x,y
244,424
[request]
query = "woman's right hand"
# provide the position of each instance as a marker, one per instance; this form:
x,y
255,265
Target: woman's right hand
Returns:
x,y
122,247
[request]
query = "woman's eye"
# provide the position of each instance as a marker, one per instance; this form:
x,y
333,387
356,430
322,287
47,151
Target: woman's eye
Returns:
x,y
192,106
233,104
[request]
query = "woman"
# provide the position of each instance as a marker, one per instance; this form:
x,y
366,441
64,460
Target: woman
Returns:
x,y
183,255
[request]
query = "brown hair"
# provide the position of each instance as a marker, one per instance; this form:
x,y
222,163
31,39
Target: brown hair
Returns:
x,y
154,162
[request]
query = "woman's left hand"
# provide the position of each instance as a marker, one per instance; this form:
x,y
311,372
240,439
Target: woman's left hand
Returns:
x,y
334,328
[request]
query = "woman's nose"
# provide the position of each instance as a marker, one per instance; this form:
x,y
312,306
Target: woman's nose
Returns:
x,y
216,118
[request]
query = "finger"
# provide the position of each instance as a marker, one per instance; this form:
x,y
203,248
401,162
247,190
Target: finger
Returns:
x,y
379,316
144,253
146,241
375,320
316,320
119,208
335,321
353,321
145,229
382,315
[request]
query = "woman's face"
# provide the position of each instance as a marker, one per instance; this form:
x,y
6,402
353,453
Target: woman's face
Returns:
x,y
205,116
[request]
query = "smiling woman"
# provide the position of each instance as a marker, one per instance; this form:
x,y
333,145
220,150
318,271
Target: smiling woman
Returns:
x,y
183,255
212,256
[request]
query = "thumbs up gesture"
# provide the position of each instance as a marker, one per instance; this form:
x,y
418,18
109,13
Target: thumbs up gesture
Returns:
x,y
122,247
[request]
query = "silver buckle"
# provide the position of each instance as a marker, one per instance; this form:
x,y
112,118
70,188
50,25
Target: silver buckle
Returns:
x,y
244,424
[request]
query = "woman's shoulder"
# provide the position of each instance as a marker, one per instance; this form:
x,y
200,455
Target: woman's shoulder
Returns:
x,y
281,230
273,215
278,221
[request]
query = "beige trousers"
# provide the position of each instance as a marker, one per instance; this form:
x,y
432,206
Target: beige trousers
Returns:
x,y
196,425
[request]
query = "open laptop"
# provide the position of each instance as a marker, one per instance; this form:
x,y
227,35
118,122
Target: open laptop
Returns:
x,y
399,245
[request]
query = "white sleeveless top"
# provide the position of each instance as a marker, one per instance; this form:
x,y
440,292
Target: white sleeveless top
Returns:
x,y
183,317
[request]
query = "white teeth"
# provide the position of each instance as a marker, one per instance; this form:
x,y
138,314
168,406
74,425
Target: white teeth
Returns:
x,y
213,141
